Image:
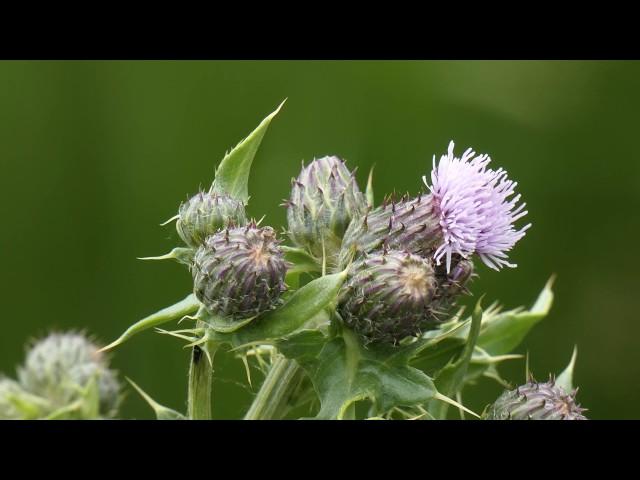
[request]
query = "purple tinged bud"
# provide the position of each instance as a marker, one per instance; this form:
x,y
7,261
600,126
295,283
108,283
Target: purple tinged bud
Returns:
x,y
387,296
239,272
536,401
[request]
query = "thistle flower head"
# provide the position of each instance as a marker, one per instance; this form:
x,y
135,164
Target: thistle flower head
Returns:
x,y
477,208
205,213
536,401
387,296
324,198
239,272
60,365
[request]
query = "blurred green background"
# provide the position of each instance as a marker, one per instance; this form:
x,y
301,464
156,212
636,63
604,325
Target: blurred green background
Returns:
x,y
95,155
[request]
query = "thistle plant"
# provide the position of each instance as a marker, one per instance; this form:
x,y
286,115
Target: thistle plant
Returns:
x,y
64,376
353,304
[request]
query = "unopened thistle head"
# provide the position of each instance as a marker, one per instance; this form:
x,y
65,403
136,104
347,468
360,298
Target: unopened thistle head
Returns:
x,y
205,213
59,366
239,272
536,401
470,209
324,199
407,224
388,295
476,207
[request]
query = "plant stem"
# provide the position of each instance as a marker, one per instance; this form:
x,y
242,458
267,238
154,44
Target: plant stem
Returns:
x,y
274,393
200,382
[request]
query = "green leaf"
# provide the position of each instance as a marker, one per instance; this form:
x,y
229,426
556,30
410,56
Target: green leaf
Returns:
x,y
184,307
301,307
503,332
232,175
343,372
302,262
451,378
179,254
162,412
565,380
221,324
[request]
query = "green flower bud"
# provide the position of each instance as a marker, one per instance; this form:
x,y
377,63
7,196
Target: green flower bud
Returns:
x,y
239,272
324,199
59,366
9,390
387,296
536,401
409,224
205,213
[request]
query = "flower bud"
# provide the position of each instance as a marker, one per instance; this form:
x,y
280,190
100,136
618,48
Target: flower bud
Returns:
x,y
59,366
324,199
387,296
9,390
408,224
536,401
205,213
239,272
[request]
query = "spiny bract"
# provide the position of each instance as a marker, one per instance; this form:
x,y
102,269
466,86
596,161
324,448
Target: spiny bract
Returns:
x,y
388,295
324,198
205,213
536,401
239,272
408,224
60,365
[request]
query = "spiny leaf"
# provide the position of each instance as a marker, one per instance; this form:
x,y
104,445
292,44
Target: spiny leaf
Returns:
x,y
184,307
450,379
179,254
162,412
565,379
232,175
301,307
343,372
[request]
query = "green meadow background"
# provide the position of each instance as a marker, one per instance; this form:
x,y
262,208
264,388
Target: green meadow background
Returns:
x,y
95,155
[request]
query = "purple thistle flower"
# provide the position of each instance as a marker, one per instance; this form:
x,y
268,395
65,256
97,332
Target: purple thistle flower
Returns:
x,y
475,212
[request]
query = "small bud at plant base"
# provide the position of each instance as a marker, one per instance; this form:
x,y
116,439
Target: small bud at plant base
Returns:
x,y
388,295
324,199
239,272
205,213
536,401
470,209
59,366
9,389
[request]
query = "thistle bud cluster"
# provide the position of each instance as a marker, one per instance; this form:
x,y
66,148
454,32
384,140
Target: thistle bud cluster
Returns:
x,y
536,401
56,375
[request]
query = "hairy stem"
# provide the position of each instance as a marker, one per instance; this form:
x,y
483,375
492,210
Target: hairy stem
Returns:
x,y
271,400
200,382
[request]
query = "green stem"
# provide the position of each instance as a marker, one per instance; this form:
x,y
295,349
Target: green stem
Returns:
x,y
200,382
271,400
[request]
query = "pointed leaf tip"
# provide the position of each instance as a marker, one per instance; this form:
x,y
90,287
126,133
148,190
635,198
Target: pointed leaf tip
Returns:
x,y
232,175
565,379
